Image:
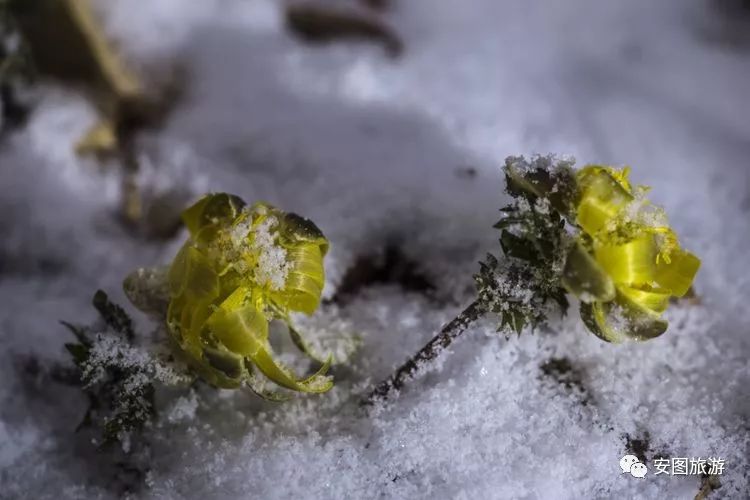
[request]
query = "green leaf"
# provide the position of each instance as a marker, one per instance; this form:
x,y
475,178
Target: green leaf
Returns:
x,y
79,352
510,217
543,177
79,332
518,247
113,315
513,320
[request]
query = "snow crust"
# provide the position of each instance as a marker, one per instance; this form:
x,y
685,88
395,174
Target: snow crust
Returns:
x,y
372,150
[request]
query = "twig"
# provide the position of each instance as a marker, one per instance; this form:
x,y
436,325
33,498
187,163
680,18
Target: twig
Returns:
x,y
430,351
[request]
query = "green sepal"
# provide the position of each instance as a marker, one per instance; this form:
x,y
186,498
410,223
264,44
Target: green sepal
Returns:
x,y
584,278
212,209
148,290
243,330
191,274
587,316
230,365
635,322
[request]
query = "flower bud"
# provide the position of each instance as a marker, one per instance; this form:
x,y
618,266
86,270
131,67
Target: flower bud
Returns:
x,y
241,268
626,262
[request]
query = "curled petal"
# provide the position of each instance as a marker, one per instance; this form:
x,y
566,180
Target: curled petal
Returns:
x,y
633,262
212,209
602,196
631,243
283,377
186,322
241,269
192,275
305,279
678,274
655,300
306,246
622,319
242,331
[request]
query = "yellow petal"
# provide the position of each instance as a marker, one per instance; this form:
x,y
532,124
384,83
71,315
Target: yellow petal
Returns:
x,y
305,246
656,300
243,331
633,262
281,375
602,197
191,274
305,279
678,275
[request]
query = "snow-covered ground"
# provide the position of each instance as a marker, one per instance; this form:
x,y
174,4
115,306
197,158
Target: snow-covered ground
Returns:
x,y
375,150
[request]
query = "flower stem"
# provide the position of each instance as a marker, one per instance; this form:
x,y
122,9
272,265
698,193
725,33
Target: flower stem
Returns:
x,y
430,351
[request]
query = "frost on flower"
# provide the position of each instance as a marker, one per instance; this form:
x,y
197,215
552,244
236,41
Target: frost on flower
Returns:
x,y
525,286
586,232
118,375
241,268
620,256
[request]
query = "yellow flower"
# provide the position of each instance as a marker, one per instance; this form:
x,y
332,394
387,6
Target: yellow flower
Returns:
x,y
241,268
626,263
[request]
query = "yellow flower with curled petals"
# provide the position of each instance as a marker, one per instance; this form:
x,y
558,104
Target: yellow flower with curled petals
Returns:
x,y
241,268
626,263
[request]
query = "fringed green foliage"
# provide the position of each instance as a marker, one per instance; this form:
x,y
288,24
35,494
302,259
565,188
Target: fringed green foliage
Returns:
x,y
533,238
587,232
118,382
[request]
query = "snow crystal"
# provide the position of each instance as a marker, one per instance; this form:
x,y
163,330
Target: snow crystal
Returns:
x,y
272,268
183,408
259,239
108,350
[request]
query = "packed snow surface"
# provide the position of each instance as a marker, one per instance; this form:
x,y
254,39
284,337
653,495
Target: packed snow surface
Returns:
x,y
403,152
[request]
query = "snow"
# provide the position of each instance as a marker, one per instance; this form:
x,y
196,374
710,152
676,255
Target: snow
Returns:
x,y
370,148
110,350
272,267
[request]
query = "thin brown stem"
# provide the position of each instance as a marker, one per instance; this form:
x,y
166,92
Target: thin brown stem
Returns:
x,y
430,351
